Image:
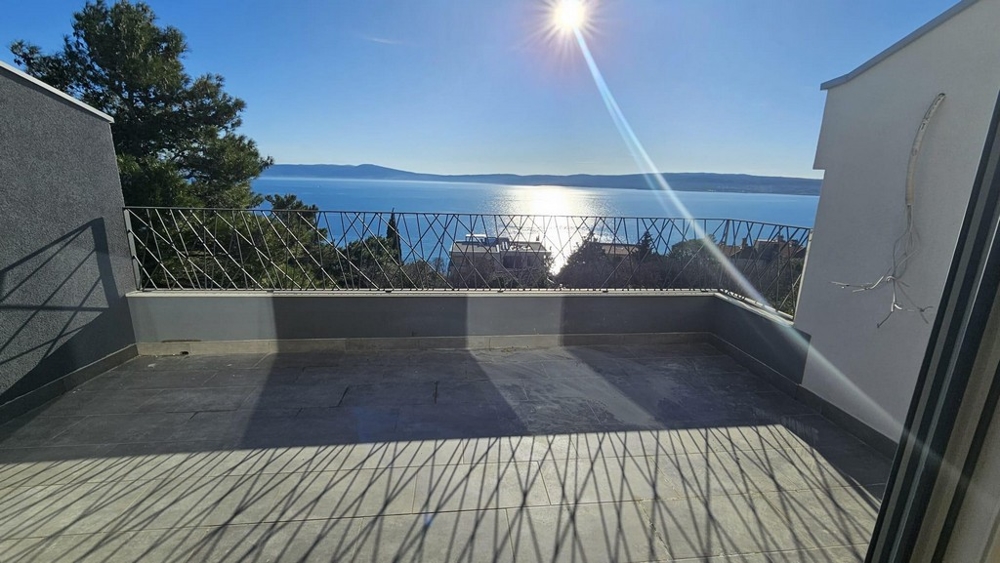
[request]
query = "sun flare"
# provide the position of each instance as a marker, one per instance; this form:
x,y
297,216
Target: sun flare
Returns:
x,y
570,15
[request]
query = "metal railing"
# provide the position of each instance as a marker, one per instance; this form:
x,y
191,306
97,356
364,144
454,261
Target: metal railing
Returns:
x,y
240,249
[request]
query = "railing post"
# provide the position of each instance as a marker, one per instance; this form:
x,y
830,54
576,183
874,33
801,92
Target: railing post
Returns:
x,y
130,235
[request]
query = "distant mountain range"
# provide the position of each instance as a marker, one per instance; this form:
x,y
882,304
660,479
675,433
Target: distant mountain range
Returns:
x,y
683,181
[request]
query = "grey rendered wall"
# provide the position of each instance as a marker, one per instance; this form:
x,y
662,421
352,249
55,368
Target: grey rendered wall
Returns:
x,y
772,346
64,267
226,317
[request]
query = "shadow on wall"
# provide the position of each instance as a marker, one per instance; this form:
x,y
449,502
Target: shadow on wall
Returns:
x,y
60,310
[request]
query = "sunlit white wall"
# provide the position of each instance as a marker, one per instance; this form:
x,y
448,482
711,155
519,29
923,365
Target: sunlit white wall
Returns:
x,y
868,129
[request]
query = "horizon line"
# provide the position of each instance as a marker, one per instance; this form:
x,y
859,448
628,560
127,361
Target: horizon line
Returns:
x,y
521,174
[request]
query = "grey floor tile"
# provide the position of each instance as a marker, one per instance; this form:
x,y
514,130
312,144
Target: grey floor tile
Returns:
x,y
30,431
617,411
703,409
418,453
124,428
390,394
729,383
296,396
558,416
211,501
468,537
599,352
320,541
842,554
580,481
735,558
477,487
666,365
214,426
149,379
318,427
350,494
615,371
300,542
154,363
159,460
346,374
340,457
224,363
499,372
711,474
81,402
429,422
196,400
850,466
478,393
819,432
507,449
84,548
595,532
584,385
520,355
311,360
714,364
254,377
417,370
679,349
68,509
721,525
640,443
24,467
439,357
569,369
825,518
758,437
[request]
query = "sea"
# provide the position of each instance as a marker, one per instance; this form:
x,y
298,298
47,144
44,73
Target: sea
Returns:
x,y
337,194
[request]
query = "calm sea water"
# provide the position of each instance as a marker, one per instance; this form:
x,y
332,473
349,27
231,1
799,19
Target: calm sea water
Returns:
x,y
406,196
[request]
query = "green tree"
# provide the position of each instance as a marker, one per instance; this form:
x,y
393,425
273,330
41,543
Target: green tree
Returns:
x,y
294,212
587,267
392,233
646,246
692,265
175,136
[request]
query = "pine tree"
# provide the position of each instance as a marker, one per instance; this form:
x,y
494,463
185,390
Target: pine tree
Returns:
x,y
175,136
392,234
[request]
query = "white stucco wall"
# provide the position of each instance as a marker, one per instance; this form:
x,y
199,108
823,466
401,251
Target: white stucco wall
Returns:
x,y
868,129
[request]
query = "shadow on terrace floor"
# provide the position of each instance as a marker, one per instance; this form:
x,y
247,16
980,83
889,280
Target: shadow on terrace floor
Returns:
x,y
567,454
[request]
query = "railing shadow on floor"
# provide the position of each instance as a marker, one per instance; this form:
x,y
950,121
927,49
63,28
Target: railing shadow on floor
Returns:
x,y
595,453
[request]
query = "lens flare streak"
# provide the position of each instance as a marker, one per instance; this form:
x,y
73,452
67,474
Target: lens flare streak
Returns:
x,y
649,169
662,188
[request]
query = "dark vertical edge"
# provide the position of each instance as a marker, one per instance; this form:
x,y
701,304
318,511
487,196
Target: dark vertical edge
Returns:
x,y
975,450
133,256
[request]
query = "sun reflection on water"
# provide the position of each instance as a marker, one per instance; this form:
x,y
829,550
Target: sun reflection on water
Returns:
x,y
547,211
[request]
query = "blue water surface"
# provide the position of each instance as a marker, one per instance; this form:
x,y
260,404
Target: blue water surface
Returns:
x,y
407,196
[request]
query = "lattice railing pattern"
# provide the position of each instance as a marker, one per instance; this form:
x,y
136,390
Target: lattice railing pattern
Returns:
x,y
240,249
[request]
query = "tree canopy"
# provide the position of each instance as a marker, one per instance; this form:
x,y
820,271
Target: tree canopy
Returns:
x,y
175,136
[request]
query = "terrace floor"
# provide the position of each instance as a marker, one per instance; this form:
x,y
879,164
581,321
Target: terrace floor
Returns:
x,y
665,453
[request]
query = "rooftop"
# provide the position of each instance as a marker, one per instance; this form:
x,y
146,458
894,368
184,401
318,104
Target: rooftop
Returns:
x,y
627,453
899,45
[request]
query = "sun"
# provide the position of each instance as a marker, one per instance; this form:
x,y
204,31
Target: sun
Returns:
x,y
570,15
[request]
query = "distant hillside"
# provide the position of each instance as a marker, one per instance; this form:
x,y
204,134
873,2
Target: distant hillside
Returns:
x,y
686,181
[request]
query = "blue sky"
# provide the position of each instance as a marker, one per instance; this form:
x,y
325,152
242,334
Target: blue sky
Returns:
x,y
468,86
